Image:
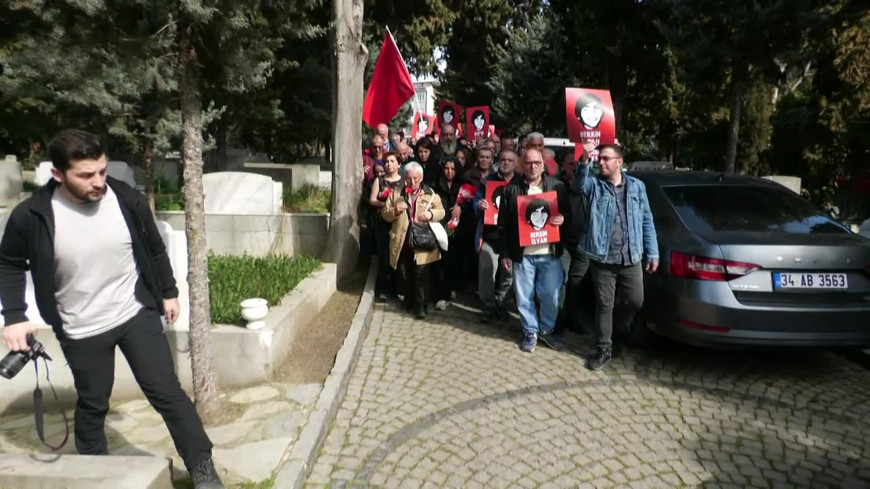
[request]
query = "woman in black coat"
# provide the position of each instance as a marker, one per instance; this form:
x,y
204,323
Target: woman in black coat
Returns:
x,y
448,269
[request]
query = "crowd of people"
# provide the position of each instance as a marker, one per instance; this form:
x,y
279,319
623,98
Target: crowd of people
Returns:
x,y
606,231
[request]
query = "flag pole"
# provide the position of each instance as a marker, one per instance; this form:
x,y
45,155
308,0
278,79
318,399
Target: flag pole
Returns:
x,y
414,98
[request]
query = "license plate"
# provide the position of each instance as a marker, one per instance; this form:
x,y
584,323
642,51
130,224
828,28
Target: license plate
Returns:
x,y
810,281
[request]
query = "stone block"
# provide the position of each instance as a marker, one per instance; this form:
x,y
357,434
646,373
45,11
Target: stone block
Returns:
x,y
326,179
176,248
791,183
239,194
11,181
305,175
120,170
49,471
43,173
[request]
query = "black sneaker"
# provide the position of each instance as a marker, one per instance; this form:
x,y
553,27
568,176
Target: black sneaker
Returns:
x,y
600,359
421,312
486,314
205,476
502,312
529,342
550,340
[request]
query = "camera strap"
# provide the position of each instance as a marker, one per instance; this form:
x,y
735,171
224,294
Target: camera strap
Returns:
x,y
37,408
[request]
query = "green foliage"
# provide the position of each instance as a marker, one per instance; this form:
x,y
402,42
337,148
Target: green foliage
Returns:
x,y
167,197
263,484
233,279
308,198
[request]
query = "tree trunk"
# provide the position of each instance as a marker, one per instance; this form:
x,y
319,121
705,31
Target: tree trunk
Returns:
x,y
348,65
204,380
738,91
148,151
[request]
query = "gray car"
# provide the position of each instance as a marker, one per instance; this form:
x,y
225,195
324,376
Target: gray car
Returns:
x,y
745,261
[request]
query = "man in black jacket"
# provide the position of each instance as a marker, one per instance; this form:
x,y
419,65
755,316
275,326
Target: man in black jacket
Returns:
x,y
102,279
537,270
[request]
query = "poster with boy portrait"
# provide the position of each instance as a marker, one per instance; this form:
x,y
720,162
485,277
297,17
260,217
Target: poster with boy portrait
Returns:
x,y
449,113
423,125
494,193
533,215
589,114
476,123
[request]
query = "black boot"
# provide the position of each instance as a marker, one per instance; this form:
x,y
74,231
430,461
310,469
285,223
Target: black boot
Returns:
x,y
600,359
205,476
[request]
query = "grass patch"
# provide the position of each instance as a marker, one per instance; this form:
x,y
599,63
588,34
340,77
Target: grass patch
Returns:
x,y
167,197
233,279
264,484
308,198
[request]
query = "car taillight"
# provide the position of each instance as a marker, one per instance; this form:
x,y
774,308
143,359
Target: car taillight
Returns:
x,y
684,265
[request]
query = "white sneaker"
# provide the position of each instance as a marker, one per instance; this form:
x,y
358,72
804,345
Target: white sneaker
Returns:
x,y
441,305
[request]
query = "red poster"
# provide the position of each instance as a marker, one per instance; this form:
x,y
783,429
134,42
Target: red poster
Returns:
x,y
589,114
534,213
494,191
448,113
423,125
476,123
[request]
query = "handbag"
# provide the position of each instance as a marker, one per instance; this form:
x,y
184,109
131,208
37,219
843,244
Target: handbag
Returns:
x,y
420,236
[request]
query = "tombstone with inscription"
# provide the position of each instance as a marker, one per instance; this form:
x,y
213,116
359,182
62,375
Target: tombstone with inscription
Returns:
x,y
241,194
43,173
11,181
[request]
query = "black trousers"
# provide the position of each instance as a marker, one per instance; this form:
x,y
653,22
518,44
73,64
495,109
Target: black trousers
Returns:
x,y
415,280
386,282
576,305
146,349
620,286
448,271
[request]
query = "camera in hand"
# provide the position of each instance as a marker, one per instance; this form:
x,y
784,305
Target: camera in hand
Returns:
x,y
14,361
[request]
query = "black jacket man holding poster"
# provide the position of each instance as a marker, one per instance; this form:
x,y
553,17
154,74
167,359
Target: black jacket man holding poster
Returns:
x,y
537,270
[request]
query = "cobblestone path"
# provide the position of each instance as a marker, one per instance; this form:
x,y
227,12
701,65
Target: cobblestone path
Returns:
x,y
448,402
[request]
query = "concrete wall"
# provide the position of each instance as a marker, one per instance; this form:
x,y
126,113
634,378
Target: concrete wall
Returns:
x,y
242,357
291,234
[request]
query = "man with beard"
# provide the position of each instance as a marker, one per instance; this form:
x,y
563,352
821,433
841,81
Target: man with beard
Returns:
x,y
493,284
102,280
448,140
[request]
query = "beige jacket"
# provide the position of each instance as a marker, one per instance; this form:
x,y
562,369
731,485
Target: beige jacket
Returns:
x,y
427,200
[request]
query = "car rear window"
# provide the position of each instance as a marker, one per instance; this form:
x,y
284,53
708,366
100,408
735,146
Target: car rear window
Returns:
x,y
729,208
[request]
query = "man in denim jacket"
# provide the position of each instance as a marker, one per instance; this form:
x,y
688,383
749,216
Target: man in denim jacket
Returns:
x,y
620,234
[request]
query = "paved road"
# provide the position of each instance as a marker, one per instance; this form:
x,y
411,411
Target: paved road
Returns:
x,y
448,402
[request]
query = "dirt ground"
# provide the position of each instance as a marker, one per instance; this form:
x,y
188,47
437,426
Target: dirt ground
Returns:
x,y
313,353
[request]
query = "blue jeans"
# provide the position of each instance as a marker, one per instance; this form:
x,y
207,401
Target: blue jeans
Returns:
x,y
539,275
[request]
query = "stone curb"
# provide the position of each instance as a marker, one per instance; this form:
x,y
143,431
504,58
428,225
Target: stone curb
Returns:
x,y
303,452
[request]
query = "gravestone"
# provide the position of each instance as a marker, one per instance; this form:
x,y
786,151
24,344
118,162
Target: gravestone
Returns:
x,y
326,179
11,181
241,194
302,175
176,249
791,183
120,170
43,173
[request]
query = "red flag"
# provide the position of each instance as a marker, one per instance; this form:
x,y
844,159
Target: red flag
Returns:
x,y
391,85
